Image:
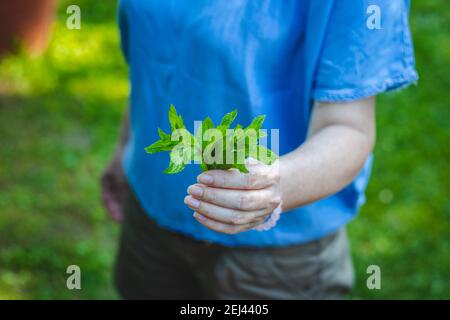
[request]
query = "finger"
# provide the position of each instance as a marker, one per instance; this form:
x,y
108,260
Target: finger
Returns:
x,y
245,200
224,215
225,228
234,179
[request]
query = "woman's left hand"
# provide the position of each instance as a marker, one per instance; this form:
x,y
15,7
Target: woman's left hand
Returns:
x,y
231,202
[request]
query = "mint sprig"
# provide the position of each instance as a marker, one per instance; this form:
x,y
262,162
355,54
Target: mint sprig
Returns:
x,y
218,147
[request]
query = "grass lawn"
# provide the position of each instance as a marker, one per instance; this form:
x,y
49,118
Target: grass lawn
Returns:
x,y
59,117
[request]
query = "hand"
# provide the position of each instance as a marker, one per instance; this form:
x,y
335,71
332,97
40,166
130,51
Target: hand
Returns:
x,y
114,188
232,202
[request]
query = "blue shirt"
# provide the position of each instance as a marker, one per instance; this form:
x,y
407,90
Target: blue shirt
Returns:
x,y
270,57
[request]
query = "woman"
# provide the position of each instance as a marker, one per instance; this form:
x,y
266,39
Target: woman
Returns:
x,y
314,68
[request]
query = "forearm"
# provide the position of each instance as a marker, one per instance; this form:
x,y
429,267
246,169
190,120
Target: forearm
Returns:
x,y
331,157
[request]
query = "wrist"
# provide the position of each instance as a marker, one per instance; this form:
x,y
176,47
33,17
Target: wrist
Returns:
x,y
293,189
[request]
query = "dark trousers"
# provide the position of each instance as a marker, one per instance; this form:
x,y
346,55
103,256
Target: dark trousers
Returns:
x,y
155,263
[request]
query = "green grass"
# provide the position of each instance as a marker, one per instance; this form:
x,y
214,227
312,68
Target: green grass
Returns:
x,y
59,116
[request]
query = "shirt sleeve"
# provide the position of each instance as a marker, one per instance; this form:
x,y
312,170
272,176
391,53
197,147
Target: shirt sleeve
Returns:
x,y
367,50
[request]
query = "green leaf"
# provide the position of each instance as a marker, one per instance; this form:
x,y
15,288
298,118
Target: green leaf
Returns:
x,y
204,126
179,157
228,119
241,167
257,123
174,168
163,135
176,121
203,167
161,145
181,153
207,123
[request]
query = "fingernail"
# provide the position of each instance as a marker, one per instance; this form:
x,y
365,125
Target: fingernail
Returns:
x,y
205,178
199,216
195,191
192,202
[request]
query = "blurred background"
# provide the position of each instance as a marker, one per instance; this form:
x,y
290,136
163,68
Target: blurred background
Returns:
x,y
60,108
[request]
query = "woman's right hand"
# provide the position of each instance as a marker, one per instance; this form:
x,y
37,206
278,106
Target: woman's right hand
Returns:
x,y
114,187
